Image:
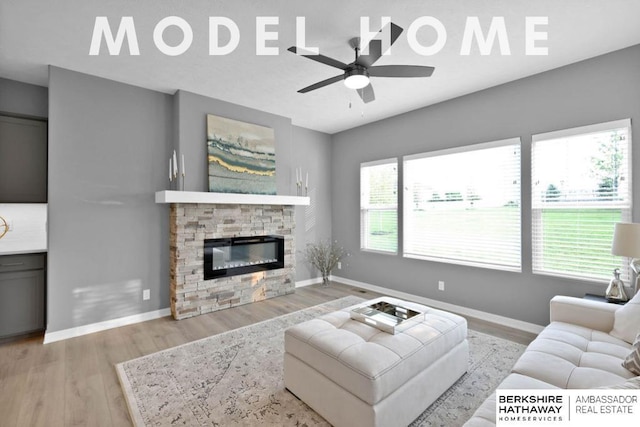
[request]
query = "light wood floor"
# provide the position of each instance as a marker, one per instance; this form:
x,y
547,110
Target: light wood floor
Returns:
x,y
74,382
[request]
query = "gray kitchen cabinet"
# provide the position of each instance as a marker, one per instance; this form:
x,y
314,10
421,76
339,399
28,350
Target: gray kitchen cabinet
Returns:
x,y
22,294
23,160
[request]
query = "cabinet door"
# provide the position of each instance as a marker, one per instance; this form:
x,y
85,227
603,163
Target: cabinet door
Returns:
x,y
21,302
23,160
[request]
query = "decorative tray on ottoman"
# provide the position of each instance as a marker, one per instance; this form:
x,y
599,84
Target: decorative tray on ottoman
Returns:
x,y
385,316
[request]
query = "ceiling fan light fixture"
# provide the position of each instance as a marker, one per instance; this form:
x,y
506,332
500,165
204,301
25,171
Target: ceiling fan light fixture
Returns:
x,y
356,78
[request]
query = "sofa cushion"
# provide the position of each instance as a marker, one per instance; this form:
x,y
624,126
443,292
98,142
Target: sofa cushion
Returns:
x,y
632,384
627,320
485,415
522,382
571,356
632,361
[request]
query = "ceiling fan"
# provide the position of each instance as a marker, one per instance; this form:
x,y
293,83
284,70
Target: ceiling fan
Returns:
x,y
356,74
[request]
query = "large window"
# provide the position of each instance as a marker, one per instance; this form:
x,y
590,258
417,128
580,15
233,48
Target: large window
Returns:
x,y
379,206
581,186
463,205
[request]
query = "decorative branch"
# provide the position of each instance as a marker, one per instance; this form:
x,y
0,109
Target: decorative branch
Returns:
x,y
324,256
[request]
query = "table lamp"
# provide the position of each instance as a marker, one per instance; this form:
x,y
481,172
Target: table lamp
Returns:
x,y
626,242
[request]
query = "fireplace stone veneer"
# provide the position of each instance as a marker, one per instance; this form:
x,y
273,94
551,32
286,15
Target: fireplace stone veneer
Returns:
x,y
192,223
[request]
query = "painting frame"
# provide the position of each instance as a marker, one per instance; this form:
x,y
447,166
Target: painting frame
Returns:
x,y
241,157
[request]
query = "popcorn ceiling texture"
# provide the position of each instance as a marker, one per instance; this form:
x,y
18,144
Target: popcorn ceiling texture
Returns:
x,y
190,224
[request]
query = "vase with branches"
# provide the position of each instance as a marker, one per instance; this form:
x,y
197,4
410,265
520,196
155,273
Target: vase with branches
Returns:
x,y
325,256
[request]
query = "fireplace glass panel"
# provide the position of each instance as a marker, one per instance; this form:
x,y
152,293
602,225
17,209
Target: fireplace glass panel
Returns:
x,y
241,255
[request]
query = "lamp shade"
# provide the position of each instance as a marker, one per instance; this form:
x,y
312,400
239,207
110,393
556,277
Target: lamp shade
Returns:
x,y
356,78
626,240
356,81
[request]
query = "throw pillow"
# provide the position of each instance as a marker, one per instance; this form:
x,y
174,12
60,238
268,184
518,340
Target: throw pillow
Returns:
x,y
626,324
632,361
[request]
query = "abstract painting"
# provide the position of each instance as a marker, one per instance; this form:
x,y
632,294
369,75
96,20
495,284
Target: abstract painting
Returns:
x,y
241,157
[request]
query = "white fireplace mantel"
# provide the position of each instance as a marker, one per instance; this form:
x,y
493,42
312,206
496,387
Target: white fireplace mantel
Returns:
x,y
168,196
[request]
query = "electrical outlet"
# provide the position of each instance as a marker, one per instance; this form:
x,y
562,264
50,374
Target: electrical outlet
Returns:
x,y
339,265
146,294
441,285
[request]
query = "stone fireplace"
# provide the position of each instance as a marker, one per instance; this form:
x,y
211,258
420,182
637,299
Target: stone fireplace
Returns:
x,y
191,224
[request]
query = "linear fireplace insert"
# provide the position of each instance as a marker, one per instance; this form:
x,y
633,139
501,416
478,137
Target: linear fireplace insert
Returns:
x,y
241,255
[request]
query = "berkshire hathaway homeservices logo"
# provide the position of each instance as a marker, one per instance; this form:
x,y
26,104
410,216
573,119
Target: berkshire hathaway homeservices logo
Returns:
x,y
224,35
567,408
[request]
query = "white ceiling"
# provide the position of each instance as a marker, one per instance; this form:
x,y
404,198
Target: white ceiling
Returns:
x,y
36,33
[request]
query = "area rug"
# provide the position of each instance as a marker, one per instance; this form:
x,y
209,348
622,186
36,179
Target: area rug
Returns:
x,y
235,379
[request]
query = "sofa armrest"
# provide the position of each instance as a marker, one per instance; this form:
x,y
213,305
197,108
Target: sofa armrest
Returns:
x,y
578,311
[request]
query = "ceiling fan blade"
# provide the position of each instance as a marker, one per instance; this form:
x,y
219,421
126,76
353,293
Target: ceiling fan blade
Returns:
x,y
400,71
366,93
375,46
375,52
319,58
395,32
323,83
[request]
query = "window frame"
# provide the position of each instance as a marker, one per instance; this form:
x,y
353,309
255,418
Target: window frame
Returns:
x,y
536,212
456,150
364,218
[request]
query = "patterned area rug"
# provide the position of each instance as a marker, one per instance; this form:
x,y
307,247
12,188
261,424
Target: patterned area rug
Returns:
x,y
235,379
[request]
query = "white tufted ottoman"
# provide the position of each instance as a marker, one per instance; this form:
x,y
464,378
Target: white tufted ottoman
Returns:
x,y
356,375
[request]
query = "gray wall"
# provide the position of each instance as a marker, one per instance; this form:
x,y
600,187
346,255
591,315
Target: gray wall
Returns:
x,y
109,145
192,110
312,152
597,90
108,239
295,147
23,99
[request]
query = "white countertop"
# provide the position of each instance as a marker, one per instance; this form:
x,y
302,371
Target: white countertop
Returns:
x,y
27,228
25,252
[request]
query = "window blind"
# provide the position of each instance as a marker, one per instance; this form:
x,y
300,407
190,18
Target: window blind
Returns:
x,y
462,205
379,206
581,186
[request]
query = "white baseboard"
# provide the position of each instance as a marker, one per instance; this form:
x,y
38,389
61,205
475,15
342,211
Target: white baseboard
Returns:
x,y
309,282
64,334
465,311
